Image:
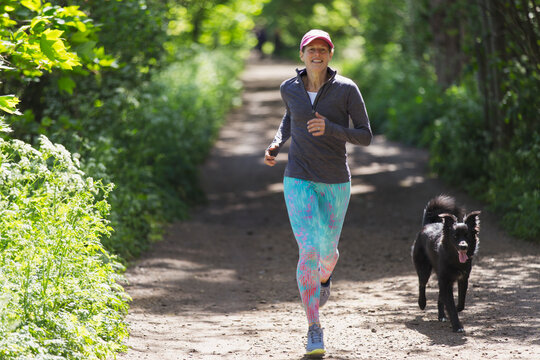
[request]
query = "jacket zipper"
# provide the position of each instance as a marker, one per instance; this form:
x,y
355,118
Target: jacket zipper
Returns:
x,y
319,93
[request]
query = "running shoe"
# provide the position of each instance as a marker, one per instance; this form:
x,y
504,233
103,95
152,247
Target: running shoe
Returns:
x,y
325,291
315,344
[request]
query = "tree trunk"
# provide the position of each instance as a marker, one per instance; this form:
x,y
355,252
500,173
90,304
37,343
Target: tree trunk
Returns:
x,y
492,38
447,38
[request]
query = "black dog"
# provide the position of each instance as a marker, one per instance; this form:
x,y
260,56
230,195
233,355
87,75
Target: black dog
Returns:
x,y
447,246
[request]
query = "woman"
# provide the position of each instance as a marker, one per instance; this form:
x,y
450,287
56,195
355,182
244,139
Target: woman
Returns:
x,y
319,104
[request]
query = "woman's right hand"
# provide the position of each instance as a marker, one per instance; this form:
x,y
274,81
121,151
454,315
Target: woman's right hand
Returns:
x,y
269,159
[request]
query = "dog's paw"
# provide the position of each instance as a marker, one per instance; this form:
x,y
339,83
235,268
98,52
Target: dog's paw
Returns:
x,y
460,308
443,319
459,330
422,303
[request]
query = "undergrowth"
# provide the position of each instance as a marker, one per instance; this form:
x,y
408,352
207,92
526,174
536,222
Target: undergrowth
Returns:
x,y
61,297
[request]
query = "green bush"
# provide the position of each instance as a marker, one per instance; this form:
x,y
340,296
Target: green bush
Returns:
x,y
172,128
514,189
149,140
459,146
401,95
60,294
409,106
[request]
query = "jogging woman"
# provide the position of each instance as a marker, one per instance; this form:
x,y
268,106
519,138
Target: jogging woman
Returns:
x,y
319,104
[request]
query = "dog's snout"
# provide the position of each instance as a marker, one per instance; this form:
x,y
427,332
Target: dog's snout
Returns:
x,y
463,245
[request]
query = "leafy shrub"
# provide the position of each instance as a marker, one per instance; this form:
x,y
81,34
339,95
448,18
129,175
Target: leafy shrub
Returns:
x,y
60,295
514,189
459,146
149,140
405,104
172,128
402,97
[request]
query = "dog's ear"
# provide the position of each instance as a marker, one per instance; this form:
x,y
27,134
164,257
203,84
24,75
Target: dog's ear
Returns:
x,y
448,221
472,220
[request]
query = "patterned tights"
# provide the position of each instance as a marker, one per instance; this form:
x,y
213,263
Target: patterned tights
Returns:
x,y
316,212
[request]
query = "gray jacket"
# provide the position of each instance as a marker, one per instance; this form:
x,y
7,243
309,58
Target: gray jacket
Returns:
x,y
322,158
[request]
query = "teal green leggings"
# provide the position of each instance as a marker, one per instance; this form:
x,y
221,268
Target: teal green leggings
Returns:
x,y
316,212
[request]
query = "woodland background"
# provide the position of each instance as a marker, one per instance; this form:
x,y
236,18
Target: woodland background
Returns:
x,y
108,108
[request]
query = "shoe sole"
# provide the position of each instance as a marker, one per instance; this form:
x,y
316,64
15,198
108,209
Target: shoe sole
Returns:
x,y
317,353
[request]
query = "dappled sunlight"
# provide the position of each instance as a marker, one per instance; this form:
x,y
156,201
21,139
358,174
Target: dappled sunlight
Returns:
x,y
411,180
257,76
362,189
377,168
223,283
275,188
497,289
167,271
224,336
380,149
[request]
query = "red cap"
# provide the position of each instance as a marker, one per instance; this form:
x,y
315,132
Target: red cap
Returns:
x,y
313,35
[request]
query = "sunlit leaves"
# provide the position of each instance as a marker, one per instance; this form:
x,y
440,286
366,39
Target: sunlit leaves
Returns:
x,y
222,23
8,103
54,48
59,292
33,5
44,42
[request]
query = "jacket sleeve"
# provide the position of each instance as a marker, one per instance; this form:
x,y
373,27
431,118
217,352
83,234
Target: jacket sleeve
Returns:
x,y
283,133
361,133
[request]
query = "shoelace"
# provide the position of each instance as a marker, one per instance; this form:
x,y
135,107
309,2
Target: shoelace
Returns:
x,y
315,335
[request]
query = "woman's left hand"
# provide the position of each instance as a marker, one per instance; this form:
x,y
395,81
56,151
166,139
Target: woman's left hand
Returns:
x,y
316,125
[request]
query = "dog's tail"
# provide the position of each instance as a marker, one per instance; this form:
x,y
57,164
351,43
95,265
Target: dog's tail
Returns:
x,y
442,204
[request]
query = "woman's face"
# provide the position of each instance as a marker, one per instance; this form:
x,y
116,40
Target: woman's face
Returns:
x,y
316,55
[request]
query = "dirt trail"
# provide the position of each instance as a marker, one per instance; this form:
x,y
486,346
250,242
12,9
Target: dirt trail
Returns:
x,y
222,285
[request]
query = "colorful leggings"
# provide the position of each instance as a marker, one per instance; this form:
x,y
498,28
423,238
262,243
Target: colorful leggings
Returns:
x,y
316,211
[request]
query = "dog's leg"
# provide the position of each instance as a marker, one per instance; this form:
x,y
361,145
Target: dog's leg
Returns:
x,y
423,277
446,300
440,307
463,284
423,269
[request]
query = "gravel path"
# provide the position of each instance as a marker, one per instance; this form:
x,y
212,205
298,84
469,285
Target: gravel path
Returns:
x,y
222,285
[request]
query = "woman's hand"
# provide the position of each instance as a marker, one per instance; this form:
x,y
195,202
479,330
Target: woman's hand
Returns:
x,y
270,159
316,125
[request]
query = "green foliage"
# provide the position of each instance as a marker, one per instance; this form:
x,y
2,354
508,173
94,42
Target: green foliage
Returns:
x,y
152,152
481,125
459,146
132,31
146,124
514,189
60,297
501,164
415,101
210,24
144,119
8,103
37,38
284,28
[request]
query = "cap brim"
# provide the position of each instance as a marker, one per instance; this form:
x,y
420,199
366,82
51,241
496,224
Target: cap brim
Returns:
x,y
311,39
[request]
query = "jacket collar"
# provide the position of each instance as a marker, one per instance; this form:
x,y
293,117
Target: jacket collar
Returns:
x,y
331,72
